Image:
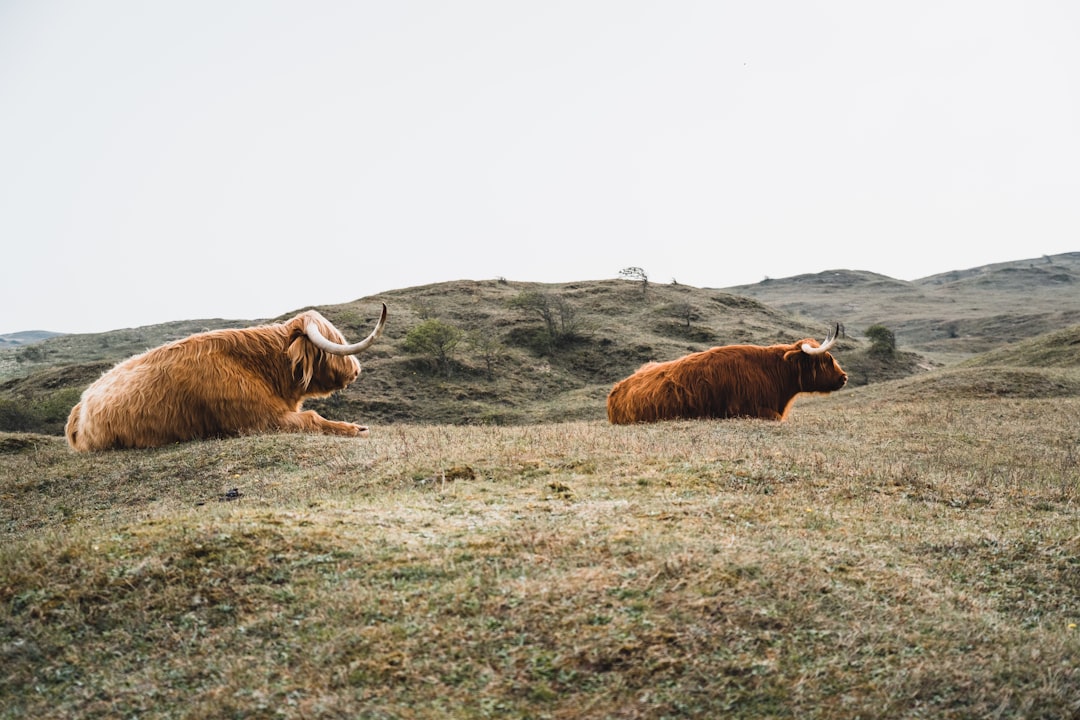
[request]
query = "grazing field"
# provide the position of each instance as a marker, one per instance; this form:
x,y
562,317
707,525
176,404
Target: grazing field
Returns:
x,y
879,555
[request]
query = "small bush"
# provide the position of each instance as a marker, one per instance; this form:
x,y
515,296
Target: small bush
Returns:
x,y
561,322
882,340
437,341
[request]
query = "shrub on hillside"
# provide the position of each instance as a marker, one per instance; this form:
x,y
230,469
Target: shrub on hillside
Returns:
x,y
882,340
437,341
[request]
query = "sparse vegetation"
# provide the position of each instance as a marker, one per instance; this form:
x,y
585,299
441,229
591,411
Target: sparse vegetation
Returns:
x,y
903,549
488,348
685,312
862,560
948,317
47,413
882,341
557,312
435,340
31,354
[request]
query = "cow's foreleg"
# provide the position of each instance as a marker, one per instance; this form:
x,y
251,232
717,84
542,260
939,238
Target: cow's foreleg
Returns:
x,y
310,421
768,414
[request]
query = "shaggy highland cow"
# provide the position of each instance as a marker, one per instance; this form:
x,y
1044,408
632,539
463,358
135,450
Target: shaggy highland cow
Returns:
x,y
221,383
727,382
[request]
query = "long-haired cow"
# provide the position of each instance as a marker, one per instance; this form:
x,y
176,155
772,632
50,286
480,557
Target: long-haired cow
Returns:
x,y
727,382
221,383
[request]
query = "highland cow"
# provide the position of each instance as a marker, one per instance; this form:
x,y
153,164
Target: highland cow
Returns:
x,y
727,382
221,383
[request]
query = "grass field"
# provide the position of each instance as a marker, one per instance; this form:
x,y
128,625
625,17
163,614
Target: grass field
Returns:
x,y
872,557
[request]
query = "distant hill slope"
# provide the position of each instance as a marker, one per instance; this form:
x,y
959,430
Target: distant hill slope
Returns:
x,y
948,316
24,338
1058,349
1043,367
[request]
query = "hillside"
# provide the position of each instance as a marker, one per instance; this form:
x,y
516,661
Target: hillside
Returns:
x,y
866,559
509,370
1057,349
950,316
505,372
22,339
905,548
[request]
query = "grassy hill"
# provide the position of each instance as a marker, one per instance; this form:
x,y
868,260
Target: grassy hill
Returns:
x,y
868,558
906,548
1057,349
517,374
948,317
22,339
510,371
1044,367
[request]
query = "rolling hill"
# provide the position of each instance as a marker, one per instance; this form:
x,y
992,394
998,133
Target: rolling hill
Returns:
x,y
950,316
556,357
508,370
22,339
903,548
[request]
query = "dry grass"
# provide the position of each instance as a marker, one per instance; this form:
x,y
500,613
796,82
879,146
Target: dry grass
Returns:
x,y
862,560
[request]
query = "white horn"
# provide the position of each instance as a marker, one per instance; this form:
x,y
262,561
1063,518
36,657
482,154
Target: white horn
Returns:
x,y
829,341
334,348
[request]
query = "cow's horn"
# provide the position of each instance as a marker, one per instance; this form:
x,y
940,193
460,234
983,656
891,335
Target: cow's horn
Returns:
x,y
334,348
829,341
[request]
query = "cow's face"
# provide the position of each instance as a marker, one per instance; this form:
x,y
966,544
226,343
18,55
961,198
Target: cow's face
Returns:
x,y
321,360
828,374
818,372
333,372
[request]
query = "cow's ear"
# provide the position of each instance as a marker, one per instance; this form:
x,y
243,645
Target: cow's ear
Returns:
x,y
795,350
294,329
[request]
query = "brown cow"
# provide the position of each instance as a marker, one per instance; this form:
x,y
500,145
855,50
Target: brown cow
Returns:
x,y
221,383
726,382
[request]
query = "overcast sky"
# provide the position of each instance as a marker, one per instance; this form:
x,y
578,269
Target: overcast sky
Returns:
x,y
242,159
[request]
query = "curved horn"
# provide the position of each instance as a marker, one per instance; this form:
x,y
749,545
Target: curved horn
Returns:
x,y
829,341
334,348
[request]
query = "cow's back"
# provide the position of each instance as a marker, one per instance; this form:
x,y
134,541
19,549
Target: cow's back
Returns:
x,y
125,406
181,391
721,382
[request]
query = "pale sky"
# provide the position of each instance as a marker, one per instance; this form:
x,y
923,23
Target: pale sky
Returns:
x,y
245,158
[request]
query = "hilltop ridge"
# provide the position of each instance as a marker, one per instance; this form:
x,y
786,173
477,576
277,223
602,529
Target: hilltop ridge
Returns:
x,y
949,316
26,337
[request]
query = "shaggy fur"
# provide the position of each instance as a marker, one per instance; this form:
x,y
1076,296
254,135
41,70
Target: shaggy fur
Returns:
x,y
215,384
724,382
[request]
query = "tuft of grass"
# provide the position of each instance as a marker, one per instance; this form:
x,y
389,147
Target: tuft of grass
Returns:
x,y
865,559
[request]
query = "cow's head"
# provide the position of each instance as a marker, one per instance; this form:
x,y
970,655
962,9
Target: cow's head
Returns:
x,y
818,370
321,361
